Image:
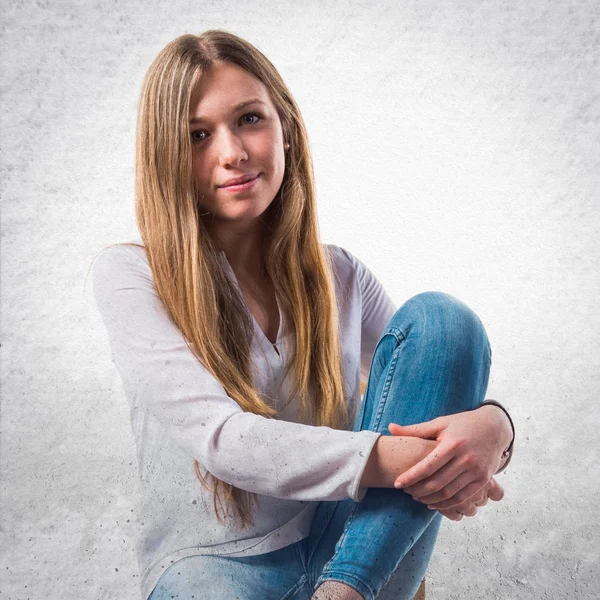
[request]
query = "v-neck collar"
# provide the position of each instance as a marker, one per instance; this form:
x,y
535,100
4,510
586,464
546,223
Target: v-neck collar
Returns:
x,y
276,347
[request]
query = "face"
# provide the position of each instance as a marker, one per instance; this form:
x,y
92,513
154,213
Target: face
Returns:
x,y
229,141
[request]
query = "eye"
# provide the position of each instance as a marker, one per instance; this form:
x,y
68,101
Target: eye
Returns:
x,y
195,139
252,115
201,131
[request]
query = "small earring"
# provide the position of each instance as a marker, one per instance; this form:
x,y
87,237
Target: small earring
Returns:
x,y
287,146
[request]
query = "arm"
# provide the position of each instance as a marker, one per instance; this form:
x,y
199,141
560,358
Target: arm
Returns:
x,y
391,456
164,381
388,459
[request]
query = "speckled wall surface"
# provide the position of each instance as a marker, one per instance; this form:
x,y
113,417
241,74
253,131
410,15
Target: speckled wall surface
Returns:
x,y
456,148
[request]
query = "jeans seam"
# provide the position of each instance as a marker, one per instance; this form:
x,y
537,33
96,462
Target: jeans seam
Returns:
x,y
295,587
300,556
343,536
316,544
400,337
386,388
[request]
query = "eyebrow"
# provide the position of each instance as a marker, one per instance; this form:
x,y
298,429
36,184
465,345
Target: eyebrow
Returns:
x,y
235,108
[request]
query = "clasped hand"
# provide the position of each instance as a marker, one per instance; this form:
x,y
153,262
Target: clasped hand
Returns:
x,y
457,476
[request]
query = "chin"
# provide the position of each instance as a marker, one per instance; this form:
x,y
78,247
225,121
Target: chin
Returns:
x,y
248,213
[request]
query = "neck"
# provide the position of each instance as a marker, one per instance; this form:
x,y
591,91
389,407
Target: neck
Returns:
x,y
243,247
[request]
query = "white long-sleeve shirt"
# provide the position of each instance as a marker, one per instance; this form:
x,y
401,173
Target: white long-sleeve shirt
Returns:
x,y
179,412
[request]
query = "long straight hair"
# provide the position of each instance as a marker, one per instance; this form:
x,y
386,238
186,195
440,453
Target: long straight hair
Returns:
x,y
188,274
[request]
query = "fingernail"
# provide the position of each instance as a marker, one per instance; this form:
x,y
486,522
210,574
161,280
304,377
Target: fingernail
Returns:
x,y
398,485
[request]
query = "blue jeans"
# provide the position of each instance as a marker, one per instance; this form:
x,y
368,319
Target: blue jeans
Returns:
x,y
433,359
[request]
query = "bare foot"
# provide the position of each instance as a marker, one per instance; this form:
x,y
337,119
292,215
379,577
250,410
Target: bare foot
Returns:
x,y
336,590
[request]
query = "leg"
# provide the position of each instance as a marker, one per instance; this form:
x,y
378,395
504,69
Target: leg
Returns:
x,y
271,576
412,568
432,360
406,578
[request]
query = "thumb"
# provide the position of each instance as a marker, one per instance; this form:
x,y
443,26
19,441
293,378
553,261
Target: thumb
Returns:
x,y
427,429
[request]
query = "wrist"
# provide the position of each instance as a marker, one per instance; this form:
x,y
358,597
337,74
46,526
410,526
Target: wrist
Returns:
x,y
504,427
506,432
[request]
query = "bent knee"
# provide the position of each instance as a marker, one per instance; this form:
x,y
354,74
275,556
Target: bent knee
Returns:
x,y
441,316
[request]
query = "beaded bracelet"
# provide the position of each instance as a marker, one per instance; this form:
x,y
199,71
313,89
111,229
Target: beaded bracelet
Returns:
x,y
509,451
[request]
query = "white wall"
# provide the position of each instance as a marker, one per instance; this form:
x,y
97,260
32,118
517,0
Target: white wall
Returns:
x,y
456,148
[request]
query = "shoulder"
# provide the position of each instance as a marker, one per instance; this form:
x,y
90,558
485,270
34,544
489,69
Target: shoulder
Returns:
x,y
120,254
118,264
340,256
346,271
344,262
353,268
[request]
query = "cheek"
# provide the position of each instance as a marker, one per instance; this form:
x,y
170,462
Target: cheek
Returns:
x,y
200,170
271,153
280,160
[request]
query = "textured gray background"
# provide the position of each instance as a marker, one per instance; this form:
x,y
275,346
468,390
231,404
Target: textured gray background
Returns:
x,y
456,148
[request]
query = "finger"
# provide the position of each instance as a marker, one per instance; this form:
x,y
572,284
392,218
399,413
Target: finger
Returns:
x,y
435,460
468,510
481,498
427,429
440,479
452,515
447,491
482,502
496,492
465,494
436,483
471,506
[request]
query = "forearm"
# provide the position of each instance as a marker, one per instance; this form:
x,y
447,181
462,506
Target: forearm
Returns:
x,y
391,456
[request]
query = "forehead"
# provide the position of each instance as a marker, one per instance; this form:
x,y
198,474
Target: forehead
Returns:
x,y
223,87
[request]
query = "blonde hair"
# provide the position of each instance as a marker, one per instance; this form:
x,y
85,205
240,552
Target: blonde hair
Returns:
x,y
188,275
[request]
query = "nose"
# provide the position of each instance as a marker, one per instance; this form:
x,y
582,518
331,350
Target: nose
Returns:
x,y
231,149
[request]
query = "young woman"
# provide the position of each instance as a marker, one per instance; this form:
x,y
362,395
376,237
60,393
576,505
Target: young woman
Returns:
x,y
242,341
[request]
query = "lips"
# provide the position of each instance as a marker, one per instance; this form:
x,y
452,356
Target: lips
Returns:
x,y
240,180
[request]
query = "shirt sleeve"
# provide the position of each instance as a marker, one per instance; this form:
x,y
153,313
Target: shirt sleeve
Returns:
x,y
160,374
377,308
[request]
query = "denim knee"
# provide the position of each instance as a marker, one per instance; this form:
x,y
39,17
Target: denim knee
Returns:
x,y
437,317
